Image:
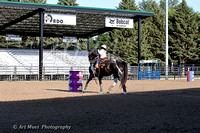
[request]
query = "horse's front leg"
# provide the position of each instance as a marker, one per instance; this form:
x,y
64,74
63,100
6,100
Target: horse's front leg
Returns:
x,y
100,84
90,78
113,85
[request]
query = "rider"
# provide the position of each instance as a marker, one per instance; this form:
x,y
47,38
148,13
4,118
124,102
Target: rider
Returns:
x,y
101,55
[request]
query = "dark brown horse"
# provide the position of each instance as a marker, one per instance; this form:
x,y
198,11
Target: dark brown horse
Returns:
x,y
117,68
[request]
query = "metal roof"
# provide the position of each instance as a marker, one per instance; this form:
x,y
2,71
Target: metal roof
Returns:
x,y
24,18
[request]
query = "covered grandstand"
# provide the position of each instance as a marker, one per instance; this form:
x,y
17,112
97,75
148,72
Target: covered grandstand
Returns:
x,y
22,64
28,19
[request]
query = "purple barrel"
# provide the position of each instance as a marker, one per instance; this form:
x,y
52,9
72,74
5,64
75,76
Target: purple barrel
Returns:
x,y
76,74
75,88
75,81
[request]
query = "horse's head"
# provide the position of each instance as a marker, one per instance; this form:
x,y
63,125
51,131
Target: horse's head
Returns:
x,y
92,55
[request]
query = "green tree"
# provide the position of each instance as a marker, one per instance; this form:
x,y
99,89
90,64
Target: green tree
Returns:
x,y
171,3
146,4
183,34
153,32
103,39
128,5
67,2
198,41
123,42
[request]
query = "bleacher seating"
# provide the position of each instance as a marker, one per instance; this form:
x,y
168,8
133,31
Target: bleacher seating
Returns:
x,y
28,59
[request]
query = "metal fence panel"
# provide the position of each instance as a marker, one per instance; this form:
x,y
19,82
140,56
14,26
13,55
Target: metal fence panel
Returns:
x,y
28,73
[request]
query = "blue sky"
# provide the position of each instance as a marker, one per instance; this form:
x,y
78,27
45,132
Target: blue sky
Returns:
x,y
114,3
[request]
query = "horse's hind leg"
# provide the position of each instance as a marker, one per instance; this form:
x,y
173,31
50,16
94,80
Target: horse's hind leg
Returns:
x,y
113,85
100,83
124,89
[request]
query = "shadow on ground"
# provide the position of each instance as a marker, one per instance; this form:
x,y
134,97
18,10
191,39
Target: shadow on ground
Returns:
x,y
60,90
160,111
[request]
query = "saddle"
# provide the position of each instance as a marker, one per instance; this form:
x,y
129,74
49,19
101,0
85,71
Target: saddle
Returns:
x,y
103,62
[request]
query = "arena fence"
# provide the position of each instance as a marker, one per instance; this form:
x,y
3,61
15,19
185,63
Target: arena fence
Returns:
x,y
31,73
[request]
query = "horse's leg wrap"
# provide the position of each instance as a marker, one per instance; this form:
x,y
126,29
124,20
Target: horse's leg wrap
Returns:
x,y
110,88
85,89
101,90
100,84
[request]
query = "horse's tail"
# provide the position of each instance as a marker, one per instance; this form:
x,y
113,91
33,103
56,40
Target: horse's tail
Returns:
x,y
124,77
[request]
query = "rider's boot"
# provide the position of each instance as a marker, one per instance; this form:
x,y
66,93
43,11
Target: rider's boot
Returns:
x,y
94,71
96,67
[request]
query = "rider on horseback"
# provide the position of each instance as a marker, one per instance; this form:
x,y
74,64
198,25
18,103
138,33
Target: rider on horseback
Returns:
x,y
117,68
101,55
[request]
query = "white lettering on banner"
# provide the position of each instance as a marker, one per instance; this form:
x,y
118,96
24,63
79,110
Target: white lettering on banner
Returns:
x,y
11,37
64,19
70,39
119,22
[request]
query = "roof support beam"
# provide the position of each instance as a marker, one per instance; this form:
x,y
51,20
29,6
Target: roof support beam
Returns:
x,y
139,39
30,14
41,46
88,43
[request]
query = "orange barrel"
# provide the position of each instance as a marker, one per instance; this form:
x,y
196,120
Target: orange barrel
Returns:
x,y
188,75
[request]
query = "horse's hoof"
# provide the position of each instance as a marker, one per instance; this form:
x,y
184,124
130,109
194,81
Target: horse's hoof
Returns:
x,y
101,92
108,91
84,91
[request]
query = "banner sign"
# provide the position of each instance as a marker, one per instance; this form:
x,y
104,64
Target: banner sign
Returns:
x,y
70,39
119,22
148,61
61,19
11,37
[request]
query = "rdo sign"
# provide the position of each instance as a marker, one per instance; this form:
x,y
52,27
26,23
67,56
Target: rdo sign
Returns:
x,y
65,19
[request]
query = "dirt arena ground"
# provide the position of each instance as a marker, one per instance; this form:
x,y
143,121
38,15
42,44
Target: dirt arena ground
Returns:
x,y
149,106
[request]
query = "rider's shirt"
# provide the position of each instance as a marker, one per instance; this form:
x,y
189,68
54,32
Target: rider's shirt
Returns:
x,y
102,53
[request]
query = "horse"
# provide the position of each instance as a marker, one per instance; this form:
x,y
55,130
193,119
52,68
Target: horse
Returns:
x,y
117,68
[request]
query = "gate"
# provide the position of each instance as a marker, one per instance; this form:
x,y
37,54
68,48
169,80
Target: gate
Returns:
x,y
148,69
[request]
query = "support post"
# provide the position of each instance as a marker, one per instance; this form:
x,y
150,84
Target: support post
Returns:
x,y
139,39
88,43
166,42
41,47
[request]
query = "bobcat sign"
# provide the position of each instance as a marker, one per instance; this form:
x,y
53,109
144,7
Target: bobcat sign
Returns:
x,y
61,19
119,22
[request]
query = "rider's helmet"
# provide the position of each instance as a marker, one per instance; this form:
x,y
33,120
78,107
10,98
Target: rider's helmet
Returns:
x,y
103,46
